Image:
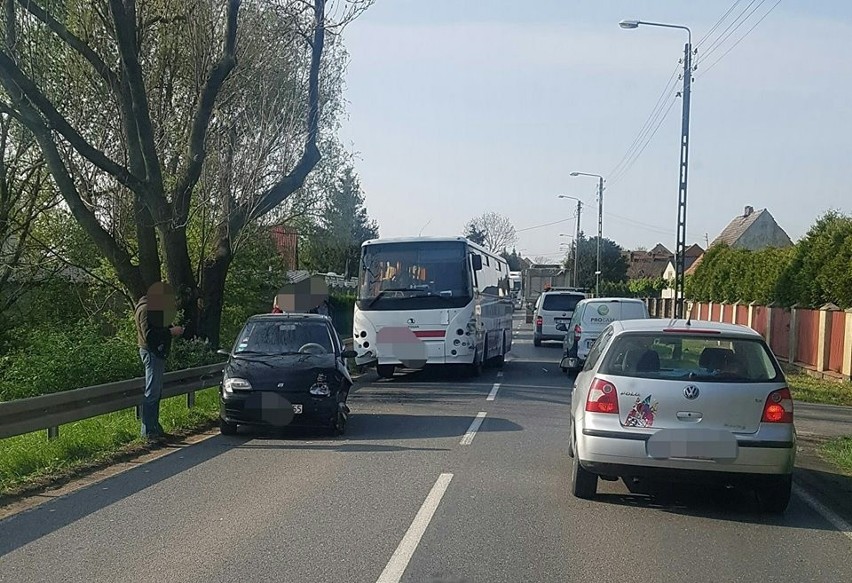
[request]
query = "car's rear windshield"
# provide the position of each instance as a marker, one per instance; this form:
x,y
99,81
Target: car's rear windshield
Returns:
x,y
561,302
665,355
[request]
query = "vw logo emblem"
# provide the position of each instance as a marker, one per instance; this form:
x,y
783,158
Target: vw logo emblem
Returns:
x,y
280,385
411,320
691,392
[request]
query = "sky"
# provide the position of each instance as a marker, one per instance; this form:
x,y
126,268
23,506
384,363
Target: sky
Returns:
x,y
459,107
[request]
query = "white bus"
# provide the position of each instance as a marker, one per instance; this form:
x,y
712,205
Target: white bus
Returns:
x,y
431,301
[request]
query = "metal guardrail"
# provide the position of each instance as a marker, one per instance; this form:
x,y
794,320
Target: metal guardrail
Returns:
x,y
50,411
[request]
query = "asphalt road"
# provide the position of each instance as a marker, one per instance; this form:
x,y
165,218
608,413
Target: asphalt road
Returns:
x,y
412,494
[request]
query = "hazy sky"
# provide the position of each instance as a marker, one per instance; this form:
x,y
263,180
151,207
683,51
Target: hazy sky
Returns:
x,y
457,107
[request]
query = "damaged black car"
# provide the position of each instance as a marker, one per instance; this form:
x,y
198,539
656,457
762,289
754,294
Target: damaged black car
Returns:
x,y
286,370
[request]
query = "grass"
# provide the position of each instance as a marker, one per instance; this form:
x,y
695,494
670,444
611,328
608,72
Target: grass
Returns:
x,y
839,452
808,389
32,459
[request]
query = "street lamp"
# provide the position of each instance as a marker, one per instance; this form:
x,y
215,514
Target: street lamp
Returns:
x,y
680,253
576,237
600,226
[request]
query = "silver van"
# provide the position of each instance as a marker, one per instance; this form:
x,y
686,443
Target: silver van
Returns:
x,y
554,307
590,317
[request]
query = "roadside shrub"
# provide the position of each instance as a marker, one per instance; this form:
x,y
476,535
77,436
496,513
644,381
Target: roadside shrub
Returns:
x,y
342,311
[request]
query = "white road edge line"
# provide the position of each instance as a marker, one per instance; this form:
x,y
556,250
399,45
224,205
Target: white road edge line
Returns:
x,y
493,393
844,527
471,431
399,560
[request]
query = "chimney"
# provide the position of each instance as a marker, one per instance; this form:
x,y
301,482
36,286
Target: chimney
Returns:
x,y
748,211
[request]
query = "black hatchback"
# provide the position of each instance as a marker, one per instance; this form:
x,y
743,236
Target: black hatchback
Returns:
x,y
286,370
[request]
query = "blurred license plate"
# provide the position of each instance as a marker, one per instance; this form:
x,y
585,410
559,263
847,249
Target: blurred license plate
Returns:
x,y
700,444
297,409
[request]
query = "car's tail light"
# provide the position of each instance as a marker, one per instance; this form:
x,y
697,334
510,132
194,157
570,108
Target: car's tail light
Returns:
x,y
578,330
539,321
778,407
603,397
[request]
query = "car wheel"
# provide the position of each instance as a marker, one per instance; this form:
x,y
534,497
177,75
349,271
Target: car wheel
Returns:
x,y
226,428
385,370
584,484
774,495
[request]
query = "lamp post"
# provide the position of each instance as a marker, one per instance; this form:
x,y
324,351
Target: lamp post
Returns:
x,y
576,237
600,226
680,252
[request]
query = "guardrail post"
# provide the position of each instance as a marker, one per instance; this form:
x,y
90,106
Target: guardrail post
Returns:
x,y
138,412
190,399
52,433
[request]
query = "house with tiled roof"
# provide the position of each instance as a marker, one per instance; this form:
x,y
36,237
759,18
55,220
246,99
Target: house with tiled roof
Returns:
x,y
691,258
753,230
651,264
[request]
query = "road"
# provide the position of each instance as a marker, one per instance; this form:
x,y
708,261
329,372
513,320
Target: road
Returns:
x,y
411,494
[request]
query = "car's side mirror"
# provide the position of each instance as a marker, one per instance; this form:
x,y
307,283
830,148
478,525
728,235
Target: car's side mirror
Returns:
x,y
349,353
562,327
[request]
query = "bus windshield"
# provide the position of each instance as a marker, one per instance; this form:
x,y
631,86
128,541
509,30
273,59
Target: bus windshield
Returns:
x,y
414,276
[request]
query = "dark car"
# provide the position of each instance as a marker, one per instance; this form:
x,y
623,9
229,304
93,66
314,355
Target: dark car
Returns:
x,y
286,370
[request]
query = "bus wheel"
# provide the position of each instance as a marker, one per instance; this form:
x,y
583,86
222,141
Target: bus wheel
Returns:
x,y
385,370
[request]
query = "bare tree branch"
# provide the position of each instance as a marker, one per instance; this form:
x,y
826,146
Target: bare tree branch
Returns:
x,y
201,123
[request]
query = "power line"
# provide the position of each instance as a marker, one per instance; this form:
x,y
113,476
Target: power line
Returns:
x,y
645,145
739,21
703,39
648,122
546,224
647,226
761,19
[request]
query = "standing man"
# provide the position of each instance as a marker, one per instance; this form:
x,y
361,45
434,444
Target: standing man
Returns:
x,y
153,313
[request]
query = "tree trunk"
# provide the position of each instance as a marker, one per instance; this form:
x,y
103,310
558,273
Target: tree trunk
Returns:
x,y
149,255
213,292
182,277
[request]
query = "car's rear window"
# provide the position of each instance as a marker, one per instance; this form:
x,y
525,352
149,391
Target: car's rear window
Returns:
x,y
664,355
560,302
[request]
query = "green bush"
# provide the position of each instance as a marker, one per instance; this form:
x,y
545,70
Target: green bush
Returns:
x,y
820,270
79,355
738,275
342,311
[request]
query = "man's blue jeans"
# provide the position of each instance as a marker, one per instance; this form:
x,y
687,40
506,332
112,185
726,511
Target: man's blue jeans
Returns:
x,y
155,368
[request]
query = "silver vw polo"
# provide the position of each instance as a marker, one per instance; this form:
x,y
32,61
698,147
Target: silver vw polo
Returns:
x,y
683,401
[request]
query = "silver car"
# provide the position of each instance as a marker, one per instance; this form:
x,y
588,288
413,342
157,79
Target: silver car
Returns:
x,y
680,401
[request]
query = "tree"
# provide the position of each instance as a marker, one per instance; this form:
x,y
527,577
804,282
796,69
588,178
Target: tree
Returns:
x,y
613,263
125,101
473,233
491,230
821,267
335,243
513,259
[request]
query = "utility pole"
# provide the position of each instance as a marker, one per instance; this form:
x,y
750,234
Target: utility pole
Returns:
x,y
680,252
577,244
680,267
600,236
